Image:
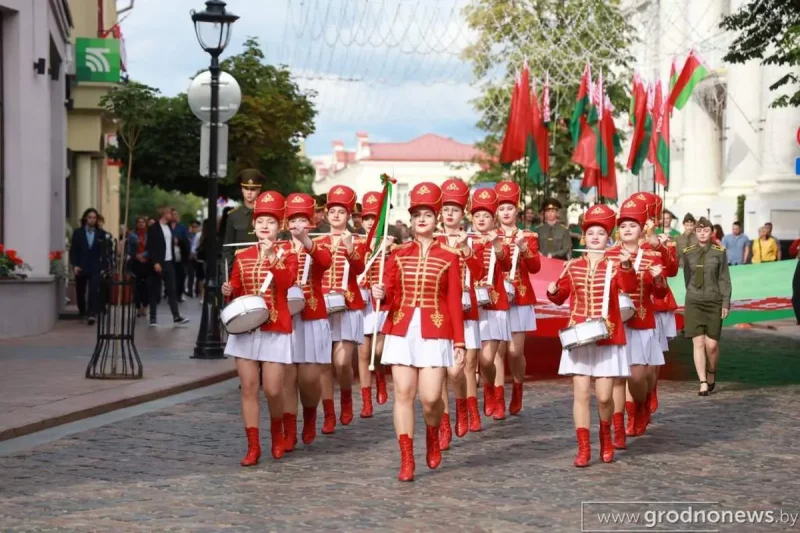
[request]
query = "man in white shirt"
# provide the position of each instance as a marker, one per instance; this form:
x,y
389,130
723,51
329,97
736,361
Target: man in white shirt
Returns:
x,y
161,253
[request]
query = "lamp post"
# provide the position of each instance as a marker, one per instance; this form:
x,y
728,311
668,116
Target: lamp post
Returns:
x,y
213,29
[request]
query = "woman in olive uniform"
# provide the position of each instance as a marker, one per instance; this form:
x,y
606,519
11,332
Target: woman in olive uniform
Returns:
x,y
708,301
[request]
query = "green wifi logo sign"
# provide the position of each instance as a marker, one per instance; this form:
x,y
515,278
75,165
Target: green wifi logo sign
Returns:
x,y
97,60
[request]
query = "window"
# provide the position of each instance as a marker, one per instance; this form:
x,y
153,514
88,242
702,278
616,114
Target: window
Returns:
x,y
401,196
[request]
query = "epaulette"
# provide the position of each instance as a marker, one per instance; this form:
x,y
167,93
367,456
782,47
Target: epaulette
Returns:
x,y
689,248
241,250
232,211
718,247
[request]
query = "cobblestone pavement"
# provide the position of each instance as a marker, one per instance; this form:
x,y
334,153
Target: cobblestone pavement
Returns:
x,y
177,470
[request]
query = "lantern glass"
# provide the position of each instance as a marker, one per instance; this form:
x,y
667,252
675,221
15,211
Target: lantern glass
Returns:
x,y
213,26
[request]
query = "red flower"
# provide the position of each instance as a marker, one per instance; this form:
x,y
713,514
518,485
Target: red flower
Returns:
x,y
18,261
1,248
12,254
57,255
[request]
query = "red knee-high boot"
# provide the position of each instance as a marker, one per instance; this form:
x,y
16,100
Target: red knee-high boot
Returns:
x,y
309,424
516,399
381,396
346,398
366,402
630,409
434,452
462,425
329,414
642,418
253,447
278,440
406,458
499,412
488,399
606,446
619,431
654,398
445,432
584,448
290,430
473,414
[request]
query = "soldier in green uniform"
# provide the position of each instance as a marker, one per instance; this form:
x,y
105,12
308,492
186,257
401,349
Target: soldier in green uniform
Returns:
x,y
708,301
240,220
688,237
554,237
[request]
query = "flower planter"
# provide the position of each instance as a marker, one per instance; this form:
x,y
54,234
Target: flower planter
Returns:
x,y
29,306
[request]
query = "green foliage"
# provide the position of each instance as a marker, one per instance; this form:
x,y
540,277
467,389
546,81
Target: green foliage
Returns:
x,y
265,134
770,31
146,199
740,200
511,32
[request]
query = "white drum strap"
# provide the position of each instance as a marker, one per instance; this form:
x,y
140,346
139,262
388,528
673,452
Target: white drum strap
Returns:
x,y
607,288
492,262
268,279
345,274
638,262
306,269
514,261
468,276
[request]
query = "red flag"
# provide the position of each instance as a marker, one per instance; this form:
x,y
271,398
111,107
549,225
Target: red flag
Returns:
x,y
607,187
658,104
513,144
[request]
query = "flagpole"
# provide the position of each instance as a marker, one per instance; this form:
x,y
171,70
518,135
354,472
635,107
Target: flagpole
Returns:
x,y
374,343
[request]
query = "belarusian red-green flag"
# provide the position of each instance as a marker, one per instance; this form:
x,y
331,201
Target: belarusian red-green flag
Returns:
x,y
658,104
514,139
662,147
693,73
581,106
641,131
538,149
609,138
673,75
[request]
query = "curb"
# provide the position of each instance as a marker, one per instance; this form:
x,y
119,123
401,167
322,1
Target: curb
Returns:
x,y
113,406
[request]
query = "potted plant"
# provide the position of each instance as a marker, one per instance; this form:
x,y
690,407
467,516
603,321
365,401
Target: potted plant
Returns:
x,y
58,269
12,265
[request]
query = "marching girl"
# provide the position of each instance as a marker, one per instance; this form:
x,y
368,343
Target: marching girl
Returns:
x,y
371,203
311,340
268,349
524,249
425,328
644,349
347,326
665,307
591,283
455,196
493,318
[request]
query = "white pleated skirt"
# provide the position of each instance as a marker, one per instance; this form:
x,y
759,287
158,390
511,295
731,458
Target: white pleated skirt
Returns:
x,y
597,361
643,347
264,346
494,325
311,341
522,318
472,335
666,327
370,319
347,326
413,350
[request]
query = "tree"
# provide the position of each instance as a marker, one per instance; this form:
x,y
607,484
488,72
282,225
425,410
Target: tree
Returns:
x,y
265,134
770,31
555,36
146,199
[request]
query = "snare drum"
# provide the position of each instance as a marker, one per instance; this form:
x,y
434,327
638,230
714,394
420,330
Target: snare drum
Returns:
x,y
334,302
466,301
626,307
588,332
510,290
244,314
482,295
297,301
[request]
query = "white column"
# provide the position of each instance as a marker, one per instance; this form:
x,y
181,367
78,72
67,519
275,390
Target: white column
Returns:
x,y
672,16
780,146
83,185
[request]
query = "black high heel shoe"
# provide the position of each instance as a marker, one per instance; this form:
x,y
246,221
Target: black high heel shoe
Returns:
x,y
712,385
703,392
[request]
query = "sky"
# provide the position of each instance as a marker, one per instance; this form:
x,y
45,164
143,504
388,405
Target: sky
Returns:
x,y
391,68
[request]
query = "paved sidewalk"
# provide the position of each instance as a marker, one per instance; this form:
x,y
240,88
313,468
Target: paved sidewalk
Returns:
x,y
43,384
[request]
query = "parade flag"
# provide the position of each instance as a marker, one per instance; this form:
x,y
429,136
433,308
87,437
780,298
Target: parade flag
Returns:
x,y
655,112
693,73
514,140
377,230
673,75
662,146
641,132
538,146
611,146
581,106
546,123
637,85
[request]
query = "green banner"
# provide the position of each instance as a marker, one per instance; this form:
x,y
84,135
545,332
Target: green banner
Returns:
x,y
97,60
749,282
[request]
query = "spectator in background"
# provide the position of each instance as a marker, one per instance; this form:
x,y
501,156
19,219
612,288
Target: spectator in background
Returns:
x,y
718,235
182,251
139,265
737,245
150,221
355,218
765,248
793,252
161,252
666,225
688,237
89,255
768,225
191,271
529,220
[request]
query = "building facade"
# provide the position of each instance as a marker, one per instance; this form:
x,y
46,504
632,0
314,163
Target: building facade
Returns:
x,y
34,51
429,157
727,142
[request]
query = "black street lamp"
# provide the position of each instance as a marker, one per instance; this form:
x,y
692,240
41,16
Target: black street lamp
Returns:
x,y
213,29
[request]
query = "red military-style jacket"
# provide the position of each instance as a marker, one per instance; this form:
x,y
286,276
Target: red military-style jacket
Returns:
x,y
321,261
430,282
332,281
474,263
585,287
373,272
669,259
249,271
497,290
527,263
646,289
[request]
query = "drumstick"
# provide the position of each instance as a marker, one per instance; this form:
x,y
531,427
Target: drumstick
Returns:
x,y
226,270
